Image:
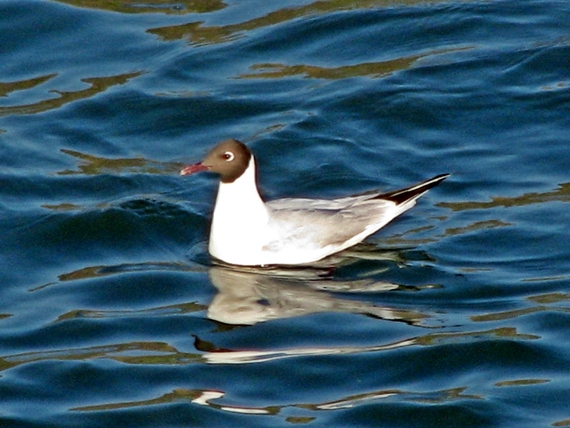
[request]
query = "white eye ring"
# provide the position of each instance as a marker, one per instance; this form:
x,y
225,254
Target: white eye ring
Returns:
x,y
229,156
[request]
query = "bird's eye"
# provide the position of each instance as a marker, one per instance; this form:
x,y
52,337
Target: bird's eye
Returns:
x,y
229,156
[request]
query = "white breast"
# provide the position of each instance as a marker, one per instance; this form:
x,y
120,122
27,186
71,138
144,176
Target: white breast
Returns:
x,y
239,224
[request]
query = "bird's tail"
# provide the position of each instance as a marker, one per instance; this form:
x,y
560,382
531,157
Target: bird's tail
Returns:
x,y
412,193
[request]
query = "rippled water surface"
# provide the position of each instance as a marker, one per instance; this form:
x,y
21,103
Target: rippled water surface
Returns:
x,y
111,311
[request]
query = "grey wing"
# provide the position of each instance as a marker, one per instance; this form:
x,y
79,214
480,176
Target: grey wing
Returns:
x,y
327,223
324,204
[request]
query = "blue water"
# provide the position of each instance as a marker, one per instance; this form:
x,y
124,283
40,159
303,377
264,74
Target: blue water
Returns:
x,y
111,311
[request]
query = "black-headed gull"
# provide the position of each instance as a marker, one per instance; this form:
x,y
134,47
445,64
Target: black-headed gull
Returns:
x,y
250,232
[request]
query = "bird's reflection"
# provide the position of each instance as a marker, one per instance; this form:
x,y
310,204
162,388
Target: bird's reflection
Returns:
x,y
249,296
246,296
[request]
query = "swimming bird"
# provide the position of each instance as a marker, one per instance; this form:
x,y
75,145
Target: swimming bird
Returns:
x,y
248,231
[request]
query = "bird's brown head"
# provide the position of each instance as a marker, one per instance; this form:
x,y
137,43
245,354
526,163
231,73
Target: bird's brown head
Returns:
x,y
229,159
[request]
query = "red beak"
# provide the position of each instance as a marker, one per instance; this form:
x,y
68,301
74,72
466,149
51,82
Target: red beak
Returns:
x,y
191,169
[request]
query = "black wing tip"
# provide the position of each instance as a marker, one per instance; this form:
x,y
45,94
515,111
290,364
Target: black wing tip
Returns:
x,y
441,176
432,182
413,192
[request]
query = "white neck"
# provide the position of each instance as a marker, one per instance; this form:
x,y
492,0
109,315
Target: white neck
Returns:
x,y
238,214
241,194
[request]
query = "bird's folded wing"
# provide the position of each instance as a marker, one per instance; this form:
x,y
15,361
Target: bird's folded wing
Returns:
x,y
324,226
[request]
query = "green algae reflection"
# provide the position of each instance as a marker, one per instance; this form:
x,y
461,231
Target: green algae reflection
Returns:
x,y
94,165
96,85
198,34
149,6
